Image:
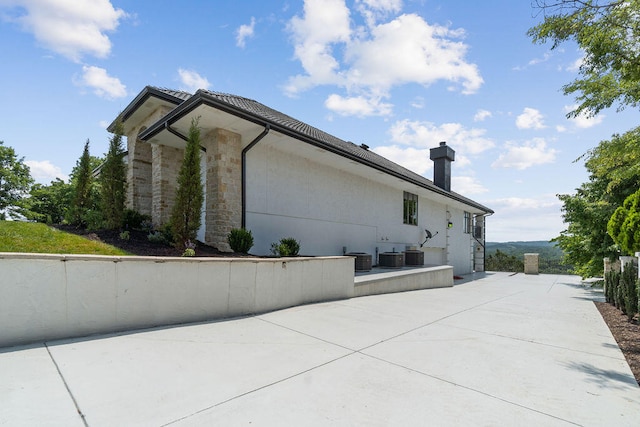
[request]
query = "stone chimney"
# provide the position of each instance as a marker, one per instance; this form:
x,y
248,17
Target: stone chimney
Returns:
x,y
442,157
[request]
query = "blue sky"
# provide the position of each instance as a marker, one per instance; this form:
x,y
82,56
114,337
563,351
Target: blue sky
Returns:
x,y
398,75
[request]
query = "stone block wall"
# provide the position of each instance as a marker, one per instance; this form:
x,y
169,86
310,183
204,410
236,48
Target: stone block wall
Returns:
x,y
166,165
139,164
139,175
531,263
224,186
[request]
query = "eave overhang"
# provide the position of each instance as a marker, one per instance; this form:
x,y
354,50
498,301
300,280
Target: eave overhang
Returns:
x,y
353,153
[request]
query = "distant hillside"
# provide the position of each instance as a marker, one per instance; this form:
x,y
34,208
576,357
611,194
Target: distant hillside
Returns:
x,y
550,256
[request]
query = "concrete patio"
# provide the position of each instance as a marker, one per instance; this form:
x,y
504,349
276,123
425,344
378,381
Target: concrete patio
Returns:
x,y
496,349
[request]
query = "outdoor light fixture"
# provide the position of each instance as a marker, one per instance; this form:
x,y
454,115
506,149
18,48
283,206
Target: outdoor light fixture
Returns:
x,y
450,224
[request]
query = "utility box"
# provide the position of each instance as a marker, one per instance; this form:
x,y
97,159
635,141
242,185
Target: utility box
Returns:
x,y
531,262
414,258
362,261
391,259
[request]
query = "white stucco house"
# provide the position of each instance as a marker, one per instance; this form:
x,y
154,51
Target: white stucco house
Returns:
x,y
278,177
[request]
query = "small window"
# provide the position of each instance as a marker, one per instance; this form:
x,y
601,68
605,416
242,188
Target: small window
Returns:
x,y
410,209
468,223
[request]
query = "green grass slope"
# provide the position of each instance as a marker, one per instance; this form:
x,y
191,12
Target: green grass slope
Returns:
x,y
34,237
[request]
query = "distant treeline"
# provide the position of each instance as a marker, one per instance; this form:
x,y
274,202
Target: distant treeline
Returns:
x,y
509,256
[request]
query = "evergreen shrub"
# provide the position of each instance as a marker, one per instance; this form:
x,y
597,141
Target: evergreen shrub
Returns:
x,y
628,291
612,281
287,246
240,240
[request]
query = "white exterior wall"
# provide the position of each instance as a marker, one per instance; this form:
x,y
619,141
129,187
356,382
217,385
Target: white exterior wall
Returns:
x,y
327,209
460,244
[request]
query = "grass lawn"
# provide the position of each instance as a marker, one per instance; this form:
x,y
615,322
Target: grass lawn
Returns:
x,y
34,237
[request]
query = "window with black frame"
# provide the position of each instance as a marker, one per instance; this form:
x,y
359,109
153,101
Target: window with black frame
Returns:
x,y
410,208
468,223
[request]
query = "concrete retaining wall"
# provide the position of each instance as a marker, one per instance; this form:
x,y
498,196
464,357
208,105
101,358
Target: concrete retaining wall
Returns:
x,y
44,297
404,280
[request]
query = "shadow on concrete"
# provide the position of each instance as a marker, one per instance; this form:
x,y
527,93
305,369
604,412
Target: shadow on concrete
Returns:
x,y
603,377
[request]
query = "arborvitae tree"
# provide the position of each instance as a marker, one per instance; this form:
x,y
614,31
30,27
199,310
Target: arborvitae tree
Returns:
x,y
113,181
82,188
186,214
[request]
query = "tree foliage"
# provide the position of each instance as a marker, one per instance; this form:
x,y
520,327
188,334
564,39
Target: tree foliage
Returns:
x,y
500,261
187,210
613,176
113,181
624,224
48,203
85,209
608,32
15,180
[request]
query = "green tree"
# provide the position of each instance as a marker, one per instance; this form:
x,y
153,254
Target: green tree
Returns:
x,y
15,180
613,176
186,214
624,224
49,203
501,261
85,209
113,181
608,32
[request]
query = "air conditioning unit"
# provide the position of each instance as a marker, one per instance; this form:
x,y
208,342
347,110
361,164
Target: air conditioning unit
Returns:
x,y
477,232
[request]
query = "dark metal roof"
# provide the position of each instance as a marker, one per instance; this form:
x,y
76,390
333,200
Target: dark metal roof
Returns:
x,y
173,96
261,114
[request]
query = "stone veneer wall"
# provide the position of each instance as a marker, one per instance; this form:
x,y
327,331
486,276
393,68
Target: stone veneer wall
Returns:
x,y
166,165
139,165
139,175
224,186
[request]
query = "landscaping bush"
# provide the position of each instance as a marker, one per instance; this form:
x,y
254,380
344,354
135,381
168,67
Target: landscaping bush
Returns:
x,y
287,246
628,291
240,240
161,236
134,220
611,280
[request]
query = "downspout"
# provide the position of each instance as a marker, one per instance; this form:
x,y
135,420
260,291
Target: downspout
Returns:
x,y
252,144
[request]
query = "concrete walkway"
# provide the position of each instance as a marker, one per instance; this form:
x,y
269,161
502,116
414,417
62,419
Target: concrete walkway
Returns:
x,y
496,350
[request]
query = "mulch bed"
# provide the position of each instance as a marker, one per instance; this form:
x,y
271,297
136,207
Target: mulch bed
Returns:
x,y
139,244
626,334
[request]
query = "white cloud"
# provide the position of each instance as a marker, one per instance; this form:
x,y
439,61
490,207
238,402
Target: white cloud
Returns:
x,y
531,153
414,159
545,58
428,135
373,10
191,81
357,106
574,67
102,84
583,121
482,115
44,171
530,119
72,28
401,51
467,185
418,102
522,219
244,32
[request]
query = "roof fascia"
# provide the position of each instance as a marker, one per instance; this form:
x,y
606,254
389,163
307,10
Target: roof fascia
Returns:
x,y
202,98
138,101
